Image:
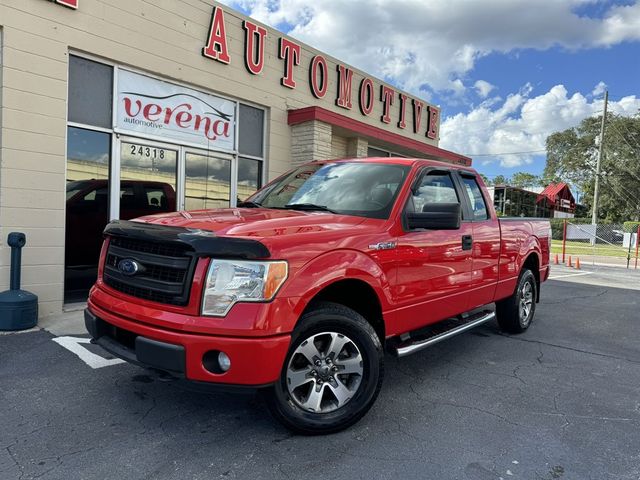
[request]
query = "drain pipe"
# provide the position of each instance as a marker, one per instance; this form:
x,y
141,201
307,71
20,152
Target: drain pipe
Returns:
x,y
18,308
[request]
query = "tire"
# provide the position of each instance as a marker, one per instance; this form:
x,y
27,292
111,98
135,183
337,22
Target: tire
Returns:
x,y
516,312
312,397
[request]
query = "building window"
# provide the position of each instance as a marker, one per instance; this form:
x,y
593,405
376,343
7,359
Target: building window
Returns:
x,y
373,152
208,182
90,92
87,208
251,150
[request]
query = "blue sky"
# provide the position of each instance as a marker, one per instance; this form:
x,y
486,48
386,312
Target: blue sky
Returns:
x,y
506,73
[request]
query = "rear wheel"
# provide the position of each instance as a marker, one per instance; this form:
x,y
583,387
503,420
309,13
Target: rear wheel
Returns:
x,y
516,313
332,374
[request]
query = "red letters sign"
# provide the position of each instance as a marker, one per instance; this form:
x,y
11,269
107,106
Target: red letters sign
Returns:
x,y
67,3
290,53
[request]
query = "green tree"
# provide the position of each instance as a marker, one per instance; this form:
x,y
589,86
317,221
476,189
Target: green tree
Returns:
x,y
501,180
572,156
525,180
485,179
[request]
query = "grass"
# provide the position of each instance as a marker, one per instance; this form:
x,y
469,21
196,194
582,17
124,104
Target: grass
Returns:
x,y
585,248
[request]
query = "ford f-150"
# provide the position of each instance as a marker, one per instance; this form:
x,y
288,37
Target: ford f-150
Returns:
x,y
301,289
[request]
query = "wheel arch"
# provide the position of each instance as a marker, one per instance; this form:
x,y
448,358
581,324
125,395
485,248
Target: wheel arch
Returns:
x,y
357,295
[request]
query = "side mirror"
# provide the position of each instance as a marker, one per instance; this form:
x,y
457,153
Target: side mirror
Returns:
x,y
435,216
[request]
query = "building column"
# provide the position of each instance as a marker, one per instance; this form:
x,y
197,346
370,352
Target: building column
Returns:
x,y
357,147
310,141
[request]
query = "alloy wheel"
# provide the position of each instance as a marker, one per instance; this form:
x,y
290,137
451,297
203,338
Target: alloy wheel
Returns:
x,y
324,372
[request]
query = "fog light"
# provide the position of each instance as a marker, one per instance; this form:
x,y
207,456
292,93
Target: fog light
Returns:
x,y
224,361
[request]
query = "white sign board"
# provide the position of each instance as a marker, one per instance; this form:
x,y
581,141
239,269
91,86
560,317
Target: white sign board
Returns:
x,y
151,107
581,232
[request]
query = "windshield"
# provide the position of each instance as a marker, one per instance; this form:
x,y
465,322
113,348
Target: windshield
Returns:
x,y
351,188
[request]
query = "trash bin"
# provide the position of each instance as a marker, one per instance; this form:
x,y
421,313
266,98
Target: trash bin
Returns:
x,y
18,308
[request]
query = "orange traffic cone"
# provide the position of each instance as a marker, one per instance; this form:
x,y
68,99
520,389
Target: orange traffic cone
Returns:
x,y
556,261
569,264
578,263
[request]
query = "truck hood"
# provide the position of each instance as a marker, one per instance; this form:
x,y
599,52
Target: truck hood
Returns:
x,y
257,222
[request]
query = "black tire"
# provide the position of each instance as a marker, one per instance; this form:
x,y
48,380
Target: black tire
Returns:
x,y
331,321
510,313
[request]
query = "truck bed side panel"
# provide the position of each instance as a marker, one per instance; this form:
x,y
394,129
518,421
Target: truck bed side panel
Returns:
x,y
519,239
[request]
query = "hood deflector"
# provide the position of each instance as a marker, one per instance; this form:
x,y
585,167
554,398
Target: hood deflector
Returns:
x,y
203,243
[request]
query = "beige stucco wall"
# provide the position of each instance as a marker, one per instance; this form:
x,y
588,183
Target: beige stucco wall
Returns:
x,y
164,37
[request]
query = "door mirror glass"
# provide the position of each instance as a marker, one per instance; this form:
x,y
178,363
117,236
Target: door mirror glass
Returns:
x,y
435,216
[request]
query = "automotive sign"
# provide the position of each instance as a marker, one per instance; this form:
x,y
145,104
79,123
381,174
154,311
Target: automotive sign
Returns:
x,y
155,108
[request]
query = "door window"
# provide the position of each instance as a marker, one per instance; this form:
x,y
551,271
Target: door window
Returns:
x,y
151,169
435,187
478,205
208,182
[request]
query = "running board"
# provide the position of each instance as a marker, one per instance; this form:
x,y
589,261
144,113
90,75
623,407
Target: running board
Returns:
x,y
409,347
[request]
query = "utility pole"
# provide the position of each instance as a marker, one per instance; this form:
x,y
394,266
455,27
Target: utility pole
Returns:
x,y
596,189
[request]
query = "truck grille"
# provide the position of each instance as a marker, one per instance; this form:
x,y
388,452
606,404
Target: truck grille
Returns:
x,y
165,276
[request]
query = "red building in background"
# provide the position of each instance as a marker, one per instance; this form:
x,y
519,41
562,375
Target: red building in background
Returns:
x,y
557,197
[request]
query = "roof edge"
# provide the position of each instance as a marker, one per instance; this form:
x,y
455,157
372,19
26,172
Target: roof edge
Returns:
x,y
302,115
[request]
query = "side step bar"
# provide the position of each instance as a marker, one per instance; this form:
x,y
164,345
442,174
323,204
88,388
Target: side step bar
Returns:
x,y
409,347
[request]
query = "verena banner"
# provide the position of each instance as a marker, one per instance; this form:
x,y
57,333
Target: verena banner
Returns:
x,y
152,107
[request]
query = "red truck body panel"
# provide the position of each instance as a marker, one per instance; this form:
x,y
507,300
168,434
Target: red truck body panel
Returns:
x,y
426,277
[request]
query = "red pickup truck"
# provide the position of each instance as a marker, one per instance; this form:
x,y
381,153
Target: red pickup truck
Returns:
x,y
301,289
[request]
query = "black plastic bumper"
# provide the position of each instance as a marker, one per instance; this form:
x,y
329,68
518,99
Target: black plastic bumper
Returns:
x,y
136,348
154,355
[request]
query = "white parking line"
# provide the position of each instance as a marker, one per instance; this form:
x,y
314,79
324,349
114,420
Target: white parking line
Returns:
x,y
569,275
74,345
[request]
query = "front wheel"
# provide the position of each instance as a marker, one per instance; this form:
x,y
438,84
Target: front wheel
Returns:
x,y
516,312
332,374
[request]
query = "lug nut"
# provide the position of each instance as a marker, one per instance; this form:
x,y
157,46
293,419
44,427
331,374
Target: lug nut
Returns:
x,y
318,363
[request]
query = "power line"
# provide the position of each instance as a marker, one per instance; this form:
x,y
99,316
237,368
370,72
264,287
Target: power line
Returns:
x,y
503,153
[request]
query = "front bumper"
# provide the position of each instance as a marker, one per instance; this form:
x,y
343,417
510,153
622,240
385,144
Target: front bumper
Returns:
x,y
255,362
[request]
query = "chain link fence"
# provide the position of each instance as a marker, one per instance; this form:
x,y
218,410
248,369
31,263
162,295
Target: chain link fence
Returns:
x,y
602,244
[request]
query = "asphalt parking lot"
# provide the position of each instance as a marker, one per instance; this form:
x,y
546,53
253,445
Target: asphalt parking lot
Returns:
x,y
561,401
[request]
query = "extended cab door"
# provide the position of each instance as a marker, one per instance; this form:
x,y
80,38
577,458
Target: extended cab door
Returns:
x,y
434,266
485,239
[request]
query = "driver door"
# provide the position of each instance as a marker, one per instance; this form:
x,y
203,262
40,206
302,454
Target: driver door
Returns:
x,y
434,266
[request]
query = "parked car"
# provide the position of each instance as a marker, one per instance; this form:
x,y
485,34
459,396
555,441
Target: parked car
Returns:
x,y
88,213
300,291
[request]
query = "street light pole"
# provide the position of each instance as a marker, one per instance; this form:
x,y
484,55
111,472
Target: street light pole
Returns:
x,y
596,189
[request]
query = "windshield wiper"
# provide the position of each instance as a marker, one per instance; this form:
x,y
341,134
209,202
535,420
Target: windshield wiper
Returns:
x,y
309,207
249,205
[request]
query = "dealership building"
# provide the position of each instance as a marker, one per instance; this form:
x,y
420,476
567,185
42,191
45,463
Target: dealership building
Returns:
x,y
121,108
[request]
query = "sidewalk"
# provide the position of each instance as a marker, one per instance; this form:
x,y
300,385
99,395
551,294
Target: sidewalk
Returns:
x,y
70,322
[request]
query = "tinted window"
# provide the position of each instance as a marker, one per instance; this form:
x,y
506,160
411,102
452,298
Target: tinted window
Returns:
x,y
436,187
474,193
208,182
90,92
249,177
251,133
374,153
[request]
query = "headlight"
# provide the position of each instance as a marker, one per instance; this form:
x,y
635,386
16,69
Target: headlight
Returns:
x,y
232,281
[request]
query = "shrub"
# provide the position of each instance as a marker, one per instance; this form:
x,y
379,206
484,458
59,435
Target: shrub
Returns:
x,y
631,227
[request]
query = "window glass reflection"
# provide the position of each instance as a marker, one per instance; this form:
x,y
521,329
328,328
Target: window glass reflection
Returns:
x,y
249,177
87,208
208,182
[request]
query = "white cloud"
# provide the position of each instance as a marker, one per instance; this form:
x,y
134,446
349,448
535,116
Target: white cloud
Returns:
x,y
599,89
422,45
483,88
522,123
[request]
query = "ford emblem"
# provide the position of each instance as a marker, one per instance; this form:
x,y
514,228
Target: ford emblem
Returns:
x,y
129,267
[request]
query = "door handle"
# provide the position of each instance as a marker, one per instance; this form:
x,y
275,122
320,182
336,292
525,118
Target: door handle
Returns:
x,y
467,242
